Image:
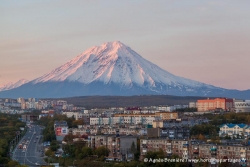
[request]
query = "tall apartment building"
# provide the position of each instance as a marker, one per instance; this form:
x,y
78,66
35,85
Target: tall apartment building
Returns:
x,y
212,104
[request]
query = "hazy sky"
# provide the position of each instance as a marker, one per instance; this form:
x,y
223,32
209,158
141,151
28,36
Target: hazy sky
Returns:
x,y
207,41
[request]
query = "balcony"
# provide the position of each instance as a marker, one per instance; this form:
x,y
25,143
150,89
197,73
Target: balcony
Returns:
x,y
213,148
169,152
196,151
185,156
184,153
243,155
213,153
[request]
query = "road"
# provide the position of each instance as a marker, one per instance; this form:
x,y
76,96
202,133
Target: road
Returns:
x,y
32,155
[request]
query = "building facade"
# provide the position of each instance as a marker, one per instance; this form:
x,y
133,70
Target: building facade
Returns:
x,y
213,104
243,106
119,146
233,130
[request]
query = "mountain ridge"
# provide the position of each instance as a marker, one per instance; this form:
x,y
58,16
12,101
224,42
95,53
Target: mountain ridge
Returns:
x,y
12,85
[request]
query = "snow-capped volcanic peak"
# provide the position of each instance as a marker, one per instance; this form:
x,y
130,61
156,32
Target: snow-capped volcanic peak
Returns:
x,y
114,62
12,85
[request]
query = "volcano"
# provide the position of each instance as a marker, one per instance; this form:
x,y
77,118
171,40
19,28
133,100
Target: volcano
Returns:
x,y
114,69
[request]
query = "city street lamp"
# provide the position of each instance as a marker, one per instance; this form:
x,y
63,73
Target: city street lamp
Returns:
x,y
11,145
74,163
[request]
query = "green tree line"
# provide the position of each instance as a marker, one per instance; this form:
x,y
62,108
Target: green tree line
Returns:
x,y
9,126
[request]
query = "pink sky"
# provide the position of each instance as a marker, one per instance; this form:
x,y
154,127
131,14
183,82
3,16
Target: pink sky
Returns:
x,y
207,41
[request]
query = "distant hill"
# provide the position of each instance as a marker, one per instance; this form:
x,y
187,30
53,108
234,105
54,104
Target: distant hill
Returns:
x,y
128,101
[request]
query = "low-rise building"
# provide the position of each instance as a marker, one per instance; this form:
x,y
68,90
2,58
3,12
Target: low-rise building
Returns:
x,y
232,130
71,114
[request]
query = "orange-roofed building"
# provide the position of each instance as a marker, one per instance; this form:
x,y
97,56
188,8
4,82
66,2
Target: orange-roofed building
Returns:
x,y
212,104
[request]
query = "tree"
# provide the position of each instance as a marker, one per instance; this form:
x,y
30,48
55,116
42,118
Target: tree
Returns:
x,y
201,137
86,151
12,163
152,155
133,148
77,122
49,153
102,151
69,138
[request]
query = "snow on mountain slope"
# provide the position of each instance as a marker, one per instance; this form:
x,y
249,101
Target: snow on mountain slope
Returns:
x,y
114,62
12,85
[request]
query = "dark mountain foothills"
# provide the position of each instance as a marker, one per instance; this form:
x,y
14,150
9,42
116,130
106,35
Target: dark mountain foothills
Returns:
x,y
128,101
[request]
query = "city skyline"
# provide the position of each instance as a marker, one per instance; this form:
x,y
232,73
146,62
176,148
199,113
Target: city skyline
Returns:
x,y
204,41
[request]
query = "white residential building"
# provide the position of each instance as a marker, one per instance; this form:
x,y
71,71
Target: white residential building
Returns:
x,y
232,130
242,106
121,120
76,115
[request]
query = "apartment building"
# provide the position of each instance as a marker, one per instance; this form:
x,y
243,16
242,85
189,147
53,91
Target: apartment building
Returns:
x,y
213,104
169,147
232,151
194,149
119,146
242,106
180,148
125,119
166,115
207,151
178,122
175,132
186,149
154,144
29,118
70,114
247,132
61,130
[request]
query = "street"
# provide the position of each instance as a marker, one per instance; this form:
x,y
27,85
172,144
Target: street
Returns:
x,y
30,151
